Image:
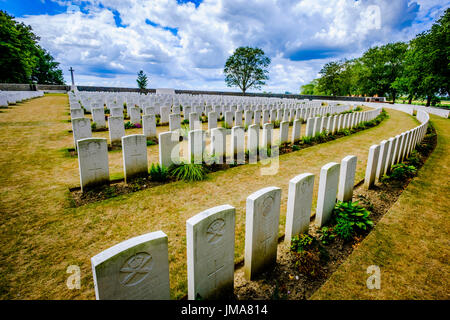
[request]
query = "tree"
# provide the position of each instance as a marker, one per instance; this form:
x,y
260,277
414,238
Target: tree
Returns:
x,y
311,88
329,82
246,68
381,67
22,60
142,80
427,63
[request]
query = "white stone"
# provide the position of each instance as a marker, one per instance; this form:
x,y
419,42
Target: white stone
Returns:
x,y
267,135
135,269
195,146
326,199
248,118
93,162
98,116
210,253
174,121
296,130
219,144
299,205
309,127
371,167
81,129
237,144
212,120
116,112
253,143
261,231
149,125
169,148
238,118
384,148
229,119
134,152
165,112
116,130
284,132
135,115
347,178
76,113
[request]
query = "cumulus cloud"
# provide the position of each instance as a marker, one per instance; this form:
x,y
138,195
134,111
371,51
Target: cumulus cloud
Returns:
x,y
184,44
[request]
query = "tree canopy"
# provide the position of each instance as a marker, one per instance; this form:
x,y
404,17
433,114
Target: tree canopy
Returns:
x,y
247,68
418,69
22,60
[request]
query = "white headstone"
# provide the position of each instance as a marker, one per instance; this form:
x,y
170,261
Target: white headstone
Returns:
x,y
210,253
149,125
169,148
116,130
93,162
174,121
261,231
371,167
299,205
134,152
81,129
326,199
347,178
135,269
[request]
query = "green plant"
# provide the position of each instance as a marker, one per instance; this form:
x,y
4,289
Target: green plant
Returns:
x,y
402,171
307,140
188,171
93,125
413,159
295,147
276,124
129,125
151,143
302,242
159,173
350,219
308,263
326,235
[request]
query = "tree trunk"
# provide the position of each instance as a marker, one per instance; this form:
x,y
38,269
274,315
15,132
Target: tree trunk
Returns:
x,y
410,99
428,101
393,97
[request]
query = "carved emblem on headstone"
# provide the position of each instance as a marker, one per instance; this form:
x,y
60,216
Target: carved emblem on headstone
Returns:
x,y
215,230
136,269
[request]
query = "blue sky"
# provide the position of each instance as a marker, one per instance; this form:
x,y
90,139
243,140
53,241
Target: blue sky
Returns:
x,y
184,44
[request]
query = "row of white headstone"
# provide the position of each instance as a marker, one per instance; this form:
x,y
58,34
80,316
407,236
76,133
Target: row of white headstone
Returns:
x,y
81,127
114,99
333,124
138,268
394,150
13,97
93,152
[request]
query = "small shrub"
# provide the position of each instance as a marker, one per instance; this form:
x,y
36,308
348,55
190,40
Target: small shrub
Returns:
x,y
151,143
402,171
302,243
188,172
326,235
351,219
276,124
413,159
159,173
295,147
93,125
129,125
185,121
307,140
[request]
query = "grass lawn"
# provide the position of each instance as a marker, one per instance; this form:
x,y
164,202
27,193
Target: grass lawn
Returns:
x,y
42,234
411,242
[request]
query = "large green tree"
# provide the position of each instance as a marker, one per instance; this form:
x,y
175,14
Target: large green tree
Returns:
x,y
381,66
22,60
247,68
427,63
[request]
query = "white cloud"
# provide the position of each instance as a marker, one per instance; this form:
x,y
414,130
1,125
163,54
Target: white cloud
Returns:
x,y
184,46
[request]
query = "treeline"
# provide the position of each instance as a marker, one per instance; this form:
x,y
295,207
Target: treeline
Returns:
x,y
22,60
416,70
